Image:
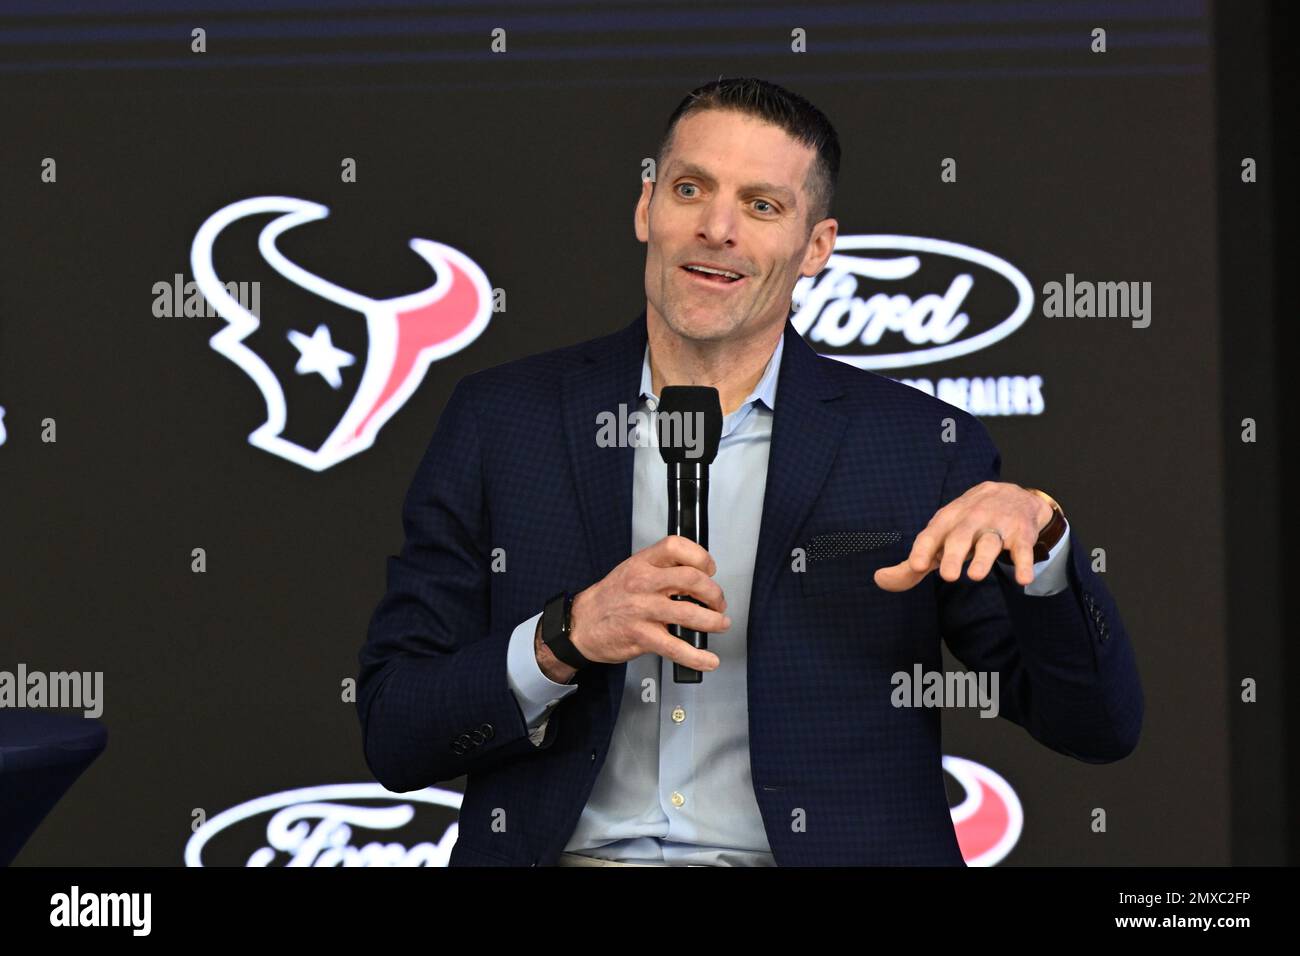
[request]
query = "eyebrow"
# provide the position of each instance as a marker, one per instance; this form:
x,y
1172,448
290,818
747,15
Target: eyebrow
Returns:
x,y
690,169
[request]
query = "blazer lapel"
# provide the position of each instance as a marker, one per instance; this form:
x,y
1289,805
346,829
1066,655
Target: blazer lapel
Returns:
x,y
608,376
806,434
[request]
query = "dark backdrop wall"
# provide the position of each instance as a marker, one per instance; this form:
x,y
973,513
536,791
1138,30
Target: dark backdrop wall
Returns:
x,y
226,686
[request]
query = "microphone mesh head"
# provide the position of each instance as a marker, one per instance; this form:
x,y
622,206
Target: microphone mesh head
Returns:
x,y
689,423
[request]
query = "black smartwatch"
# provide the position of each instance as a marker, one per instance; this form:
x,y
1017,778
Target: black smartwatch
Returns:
x,y
557,630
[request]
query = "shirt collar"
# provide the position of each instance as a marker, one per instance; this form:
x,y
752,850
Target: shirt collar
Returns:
x,y
764,391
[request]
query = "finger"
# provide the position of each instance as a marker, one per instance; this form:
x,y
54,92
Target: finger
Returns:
x,y
925,551
676,549
929,543
676,649
667,611
987,547
956,549
1023,555
680,579
901,576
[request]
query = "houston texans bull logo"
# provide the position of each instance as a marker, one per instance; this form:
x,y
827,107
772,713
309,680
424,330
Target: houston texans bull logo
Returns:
x,y
403,334
989,817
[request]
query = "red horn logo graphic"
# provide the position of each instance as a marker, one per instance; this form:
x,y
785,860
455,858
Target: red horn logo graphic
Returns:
x,y
989,820
404,334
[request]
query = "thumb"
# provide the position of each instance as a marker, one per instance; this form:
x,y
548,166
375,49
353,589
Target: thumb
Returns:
x,y
901,577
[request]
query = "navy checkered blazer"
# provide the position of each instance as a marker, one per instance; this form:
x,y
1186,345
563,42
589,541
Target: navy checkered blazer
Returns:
x,y
514,465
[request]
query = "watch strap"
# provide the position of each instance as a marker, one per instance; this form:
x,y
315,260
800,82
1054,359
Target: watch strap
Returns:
x,y
557,630
1051,535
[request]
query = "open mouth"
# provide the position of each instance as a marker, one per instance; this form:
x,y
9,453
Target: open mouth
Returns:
x,y
714,277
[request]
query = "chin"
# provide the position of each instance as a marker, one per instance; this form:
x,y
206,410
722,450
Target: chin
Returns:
x,y
692,321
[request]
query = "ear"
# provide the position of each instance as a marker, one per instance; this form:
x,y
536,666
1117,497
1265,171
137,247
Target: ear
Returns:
x,y
641,216
820,246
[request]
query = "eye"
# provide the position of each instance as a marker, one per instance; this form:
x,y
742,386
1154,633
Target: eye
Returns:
x,y
767,204
688,186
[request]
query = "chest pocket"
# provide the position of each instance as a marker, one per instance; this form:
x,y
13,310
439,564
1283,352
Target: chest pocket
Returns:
x,y
849,559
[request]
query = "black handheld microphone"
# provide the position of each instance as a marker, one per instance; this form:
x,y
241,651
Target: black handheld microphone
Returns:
x,y
689,423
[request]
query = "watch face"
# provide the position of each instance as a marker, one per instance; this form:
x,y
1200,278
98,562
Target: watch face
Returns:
x,y
555,618
548,620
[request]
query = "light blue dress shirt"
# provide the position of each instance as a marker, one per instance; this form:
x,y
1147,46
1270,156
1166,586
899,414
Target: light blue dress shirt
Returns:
x,y
675,786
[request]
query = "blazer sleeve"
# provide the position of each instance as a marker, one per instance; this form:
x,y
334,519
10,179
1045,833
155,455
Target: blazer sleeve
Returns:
x,y
1067,671
433,696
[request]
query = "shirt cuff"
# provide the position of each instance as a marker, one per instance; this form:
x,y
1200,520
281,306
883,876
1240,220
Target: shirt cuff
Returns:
x,y
1050,574
536,693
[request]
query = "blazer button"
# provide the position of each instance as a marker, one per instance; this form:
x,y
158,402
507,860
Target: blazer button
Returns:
x,y
457,748
486,730
477,737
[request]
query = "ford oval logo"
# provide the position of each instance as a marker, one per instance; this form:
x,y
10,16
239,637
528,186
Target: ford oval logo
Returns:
x,y
910,301
327,826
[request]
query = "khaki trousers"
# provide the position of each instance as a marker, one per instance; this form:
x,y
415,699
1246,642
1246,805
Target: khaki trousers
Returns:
x,y
577,859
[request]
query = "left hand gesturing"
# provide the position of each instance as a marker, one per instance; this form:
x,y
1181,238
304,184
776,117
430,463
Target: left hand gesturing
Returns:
x,y
976,519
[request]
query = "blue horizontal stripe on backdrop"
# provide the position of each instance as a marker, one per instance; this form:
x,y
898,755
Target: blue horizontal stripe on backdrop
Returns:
x,y
646,17
875,14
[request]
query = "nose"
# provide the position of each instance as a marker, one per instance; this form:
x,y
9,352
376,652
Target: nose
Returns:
x,y
717,224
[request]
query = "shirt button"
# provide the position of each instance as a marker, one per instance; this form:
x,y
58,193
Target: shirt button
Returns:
x,y
678,799
679,714
652,403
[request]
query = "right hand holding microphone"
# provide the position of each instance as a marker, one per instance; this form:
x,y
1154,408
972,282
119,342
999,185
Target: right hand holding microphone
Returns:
x,y
626,613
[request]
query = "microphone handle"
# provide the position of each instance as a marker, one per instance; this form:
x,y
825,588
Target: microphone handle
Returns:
x,y
688,516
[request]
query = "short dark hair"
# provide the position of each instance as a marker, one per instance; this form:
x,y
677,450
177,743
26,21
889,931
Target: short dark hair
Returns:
x,y
778,106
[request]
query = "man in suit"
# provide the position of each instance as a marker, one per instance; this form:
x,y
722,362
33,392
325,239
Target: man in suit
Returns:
x,y
523,641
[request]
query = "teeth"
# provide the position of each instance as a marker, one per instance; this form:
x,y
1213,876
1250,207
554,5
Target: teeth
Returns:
x,y
716,272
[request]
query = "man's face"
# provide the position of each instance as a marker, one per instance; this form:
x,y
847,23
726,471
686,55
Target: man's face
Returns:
x,y
731,195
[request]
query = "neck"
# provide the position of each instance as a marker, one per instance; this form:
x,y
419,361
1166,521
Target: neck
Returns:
x,y
732,366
